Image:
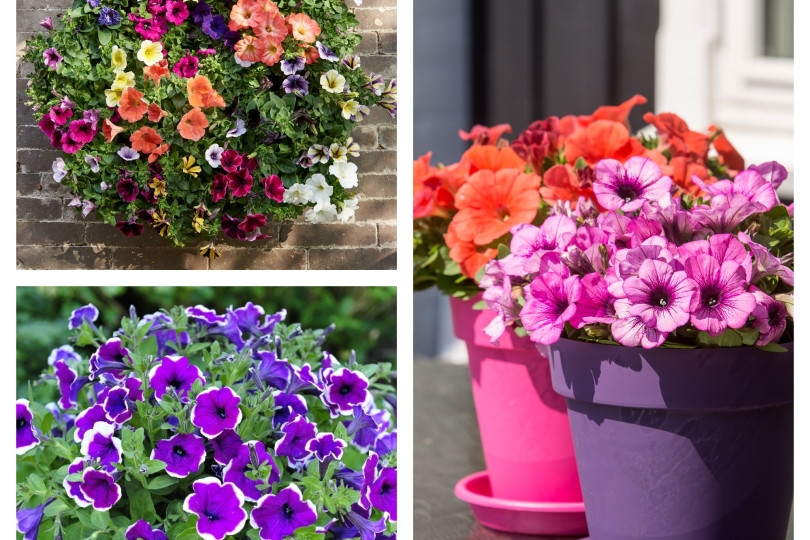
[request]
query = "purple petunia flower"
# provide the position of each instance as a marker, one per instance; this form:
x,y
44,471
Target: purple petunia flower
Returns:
x,y
770,318
206,316
297,434
59,171
26,439
345,389
325,447
765,263
73,488
111,358
383,492
659,295
215,26
325,53
128,154
748,183
142,530
65,377
725,212
235,470
116,405
87,207
387,443
108,17
64,353
134,388
218,507
288,406
720,299
771,171
626,187
100,489
271,371
595,305
238,130
99,443
296,84
94,3
318,153
226,446
94,162
47,23
199,12
29,519
550,302
216,410
175,372
279,516
351,61
362,525
52,58
290,67
86,420
183,454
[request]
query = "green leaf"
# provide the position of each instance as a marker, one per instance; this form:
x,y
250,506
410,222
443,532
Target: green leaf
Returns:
x,y
36,484
55,507
104,36
140,502
154,465
161,482
773,347
99,520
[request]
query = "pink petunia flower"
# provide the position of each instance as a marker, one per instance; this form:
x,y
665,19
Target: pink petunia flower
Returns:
x,y
659,295
550,302
770,318
720,299
626,187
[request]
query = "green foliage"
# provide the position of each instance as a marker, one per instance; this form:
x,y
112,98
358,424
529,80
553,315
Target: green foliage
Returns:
x,y
281,126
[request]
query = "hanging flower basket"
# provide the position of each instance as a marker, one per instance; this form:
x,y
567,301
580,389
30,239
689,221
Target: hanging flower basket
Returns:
x,y
204,117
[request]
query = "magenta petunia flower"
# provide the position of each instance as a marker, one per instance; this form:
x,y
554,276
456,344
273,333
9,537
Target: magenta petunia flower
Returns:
x,y
218,508
69,146
47,23
186,67
725,212
81,131
176,12
626,187
100,444
383,492
52,58
595,305
231,160
174,372
237,468
26,439
100,489
279,516
748,183
219,187
765,263
60,115
129,227
252,222
772,172
659,295
216,410
142,530
770,318
183,454
679,226
631,331
240,182
550,302
273,188
720,299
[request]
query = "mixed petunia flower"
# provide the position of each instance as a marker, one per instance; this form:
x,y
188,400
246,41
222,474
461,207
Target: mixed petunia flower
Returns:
x,y
183,82
198,423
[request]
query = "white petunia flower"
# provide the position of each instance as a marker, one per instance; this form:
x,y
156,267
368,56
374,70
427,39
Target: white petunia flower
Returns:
x,y
345,172
350,206
321,190
321,213
333,82
298,194
213,155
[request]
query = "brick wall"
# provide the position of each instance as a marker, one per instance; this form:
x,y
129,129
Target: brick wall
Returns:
x,y
51,235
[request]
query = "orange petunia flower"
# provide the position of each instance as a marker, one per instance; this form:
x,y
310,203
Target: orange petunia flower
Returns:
x,y
681,169
310,53
244,14
484,135
602,139
561,183
202,94
570,125
156,71
270,53
110,130
272,28
470,257
492,158
433,188
192,125
490,203
678,138
155,113
269,7
248,49
303,28
159,151
728,154
132,106
145,140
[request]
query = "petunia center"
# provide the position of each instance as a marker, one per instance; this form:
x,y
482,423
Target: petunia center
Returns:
x,y
179,451
21,423
288,511
627,192
502,212
710,297
774,318
221,413
174,383
660,298
345,390
211,516
385,488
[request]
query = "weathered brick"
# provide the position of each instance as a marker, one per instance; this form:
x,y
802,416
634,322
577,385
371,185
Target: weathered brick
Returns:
x,y
387,234
37,160
381,65
327,234
31,209
376,18
365,136
377,161
25,116
368,45
21,86
101,234
28,21
62,258
158,259
353,259
388,42
44,4
49,233
377,210
258,259
378,185
31,137
379,116
388,137
38,185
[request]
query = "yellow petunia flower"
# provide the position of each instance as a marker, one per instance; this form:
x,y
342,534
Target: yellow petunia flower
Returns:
x,y
160,223
210,251
350,108
113,96
123,79
333,82
159,186
150,52
197,223
189,166
119,58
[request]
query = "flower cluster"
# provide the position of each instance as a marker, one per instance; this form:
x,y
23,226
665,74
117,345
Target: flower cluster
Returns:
x,y
193,423
204,114
653,269
463,213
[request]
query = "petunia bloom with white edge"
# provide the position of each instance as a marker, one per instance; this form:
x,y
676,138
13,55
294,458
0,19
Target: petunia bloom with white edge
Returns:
x,y
218,507
214,154
99,443
59,171
345,172
216,410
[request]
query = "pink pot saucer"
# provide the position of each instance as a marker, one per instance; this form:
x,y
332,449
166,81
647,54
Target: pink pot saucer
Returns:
x,y
537,518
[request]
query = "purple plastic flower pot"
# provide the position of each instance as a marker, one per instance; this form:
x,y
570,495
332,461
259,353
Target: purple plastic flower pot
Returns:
x,y
680,444
523,423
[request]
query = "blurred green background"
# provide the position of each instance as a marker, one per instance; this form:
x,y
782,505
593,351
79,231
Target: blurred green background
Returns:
x,y
365,316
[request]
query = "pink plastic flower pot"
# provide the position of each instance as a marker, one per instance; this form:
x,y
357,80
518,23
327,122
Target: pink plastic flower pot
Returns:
x,y
524,426
680,444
